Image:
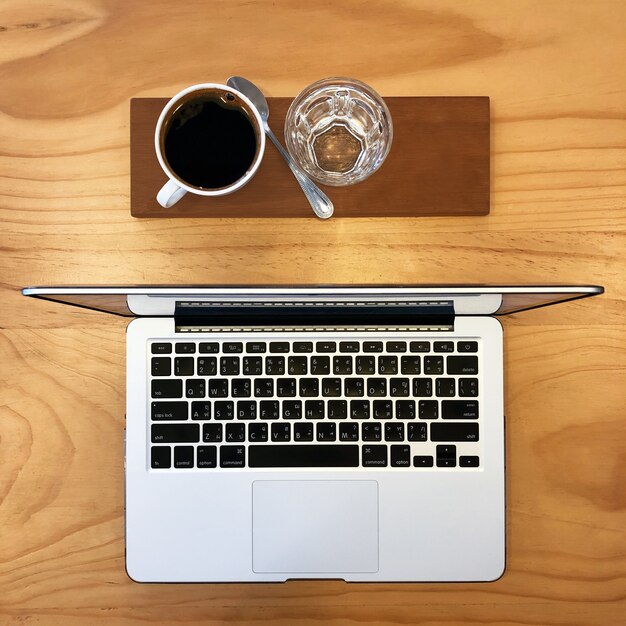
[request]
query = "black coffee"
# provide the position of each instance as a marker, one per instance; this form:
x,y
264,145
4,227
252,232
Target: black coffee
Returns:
x,y
210,142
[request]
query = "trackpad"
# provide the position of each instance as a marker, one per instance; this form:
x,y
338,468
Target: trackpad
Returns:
x,y
314,526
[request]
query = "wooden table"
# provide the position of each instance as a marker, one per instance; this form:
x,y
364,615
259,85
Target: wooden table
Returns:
x,y
555,73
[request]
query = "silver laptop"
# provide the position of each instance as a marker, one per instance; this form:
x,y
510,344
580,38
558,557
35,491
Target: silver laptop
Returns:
x,y
277,433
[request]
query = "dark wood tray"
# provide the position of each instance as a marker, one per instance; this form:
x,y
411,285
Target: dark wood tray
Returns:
x,y
438,165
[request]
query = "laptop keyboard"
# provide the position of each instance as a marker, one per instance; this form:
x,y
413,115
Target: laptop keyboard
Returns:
x,y
223,404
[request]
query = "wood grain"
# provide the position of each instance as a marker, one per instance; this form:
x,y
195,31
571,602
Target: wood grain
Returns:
x,y
554,72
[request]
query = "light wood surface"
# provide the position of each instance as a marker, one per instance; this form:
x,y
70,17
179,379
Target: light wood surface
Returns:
x,y
555,74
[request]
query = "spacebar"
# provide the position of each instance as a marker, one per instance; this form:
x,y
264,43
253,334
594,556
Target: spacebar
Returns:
x,y
303,456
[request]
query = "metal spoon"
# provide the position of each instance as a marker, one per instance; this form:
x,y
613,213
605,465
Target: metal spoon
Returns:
x,y
319,201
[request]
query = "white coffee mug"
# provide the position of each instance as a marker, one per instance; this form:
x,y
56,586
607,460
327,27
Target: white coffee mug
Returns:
x,y
176,187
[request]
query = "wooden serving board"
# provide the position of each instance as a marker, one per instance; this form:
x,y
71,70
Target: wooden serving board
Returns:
x,y
438,165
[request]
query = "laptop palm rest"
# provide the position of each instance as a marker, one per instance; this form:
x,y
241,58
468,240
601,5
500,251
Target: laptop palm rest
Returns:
x,y
315,526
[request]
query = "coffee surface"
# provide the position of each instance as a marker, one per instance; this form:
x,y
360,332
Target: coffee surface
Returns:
x,y
209,144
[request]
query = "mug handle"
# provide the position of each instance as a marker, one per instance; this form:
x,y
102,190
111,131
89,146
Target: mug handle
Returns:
x,y
170,194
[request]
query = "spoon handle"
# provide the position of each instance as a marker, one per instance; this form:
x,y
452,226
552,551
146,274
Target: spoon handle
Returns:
x,y
319,201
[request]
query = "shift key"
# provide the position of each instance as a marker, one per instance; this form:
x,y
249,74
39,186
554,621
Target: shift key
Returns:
x,y
454,431
175,433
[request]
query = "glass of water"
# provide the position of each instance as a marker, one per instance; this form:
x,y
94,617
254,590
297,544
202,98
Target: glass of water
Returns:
x,y
339,131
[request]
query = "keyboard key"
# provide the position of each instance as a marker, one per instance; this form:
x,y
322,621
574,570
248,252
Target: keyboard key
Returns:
x,y
224,410
264,387
467,346
376,387
419,346
383,409
160,457
462,365
255,347
274,365
304,455
459,409
326,431
354,387
387,364
167,388
454,431
396,346
468,387
200,411
185,348
175,433
232,347
170,411
342,365
433,365
444,387
232,456
410,365
161,366
348,431
269,409
374,456
252,365
229,366
183,366
446,456
405,409
218,388
257,432
302,346
309,387
235,432
161,348
183,456
326,346
320,365
399,387
246,410
365,365
348,346
337,409
286,387
314,409
422,461
195,388
417,431
444,346
279,347
207,366
241,388
422,387
400,456
468,461
297,365
394,431
360,409
428,409
371,431
207,457
212,433
331,387
372,346
303,431
209,348
292,409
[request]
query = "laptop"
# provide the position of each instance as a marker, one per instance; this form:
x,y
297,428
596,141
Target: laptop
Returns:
x,y
277,433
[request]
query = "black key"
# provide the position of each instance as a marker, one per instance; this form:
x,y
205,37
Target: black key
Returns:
x,y
175,433
365,365
376,387
422,461
454,431
410,365
274,365
200,411
405,409
302,455
374,456
342,365
433,365
371,431
348,346
399,387
444,346
337,409
269,409
387,364
207,456
160,457
232,347
218,388
303,431
292,409
314,409
417,431
161,348
326,431
252,365
467,346
348,431
372,346
170,411
462,365
331,387
183,456
419,346
161,366
279,347
383,409
297,365
326,346
468,461
255,347
396,346
286,387
360,409
320,365
232,456
209,347
235,433
444,387
229,366
241,388
468,387
224,410
207,366
264,387
400,456
167,388
459,409
195,388
428,409
246,410
422,387
394,431
212,433
302,346
183,366
257,431
446,456
309,387
185,348
354,387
